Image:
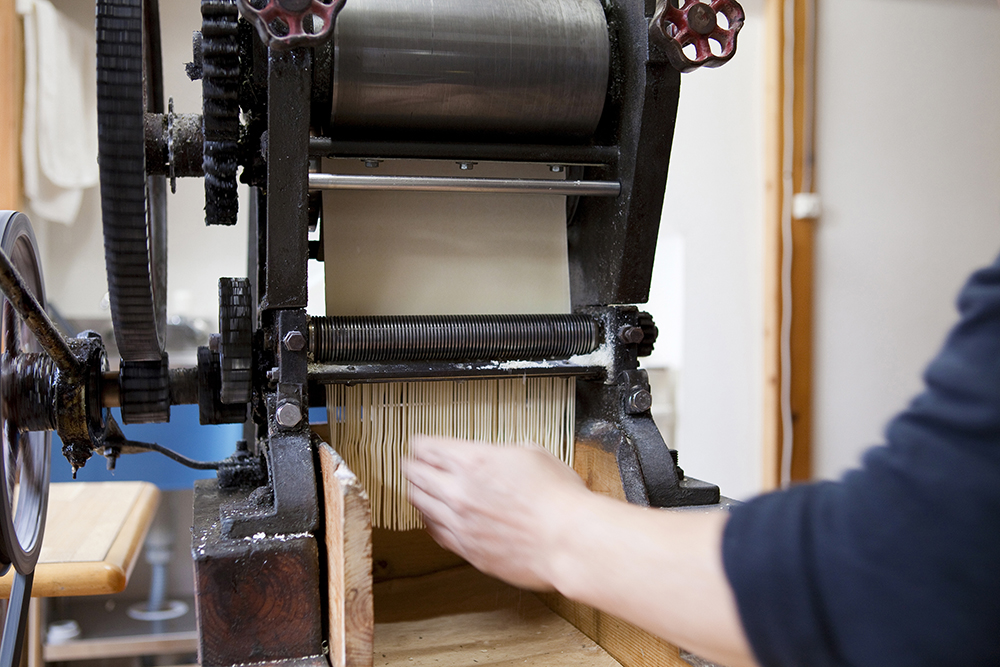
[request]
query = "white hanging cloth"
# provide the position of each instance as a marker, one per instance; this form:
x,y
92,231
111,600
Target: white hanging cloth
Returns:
x,y
59,138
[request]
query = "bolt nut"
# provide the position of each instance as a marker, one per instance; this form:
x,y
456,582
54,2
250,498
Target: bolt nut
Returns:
x,y
638,400
215,343
272,375
630,335
288,414
294,341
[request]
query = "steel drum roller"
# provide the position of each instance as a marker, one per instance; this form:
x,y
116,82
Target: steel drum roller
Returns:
x,y
532,67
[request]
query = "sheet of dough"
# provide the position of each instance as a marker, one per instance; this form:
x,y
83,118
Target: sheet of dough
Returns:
x,y
414,253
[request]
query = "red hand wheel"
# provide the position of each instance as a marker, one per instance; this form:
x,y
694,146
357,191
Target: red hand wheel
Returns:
x,y
285,24
697,24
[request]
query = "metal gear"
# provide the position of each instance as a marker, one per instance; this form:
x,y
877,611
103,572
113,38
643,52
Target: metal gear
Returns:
x,y
220,86
211,410
650,332
145,391
129,83
236,344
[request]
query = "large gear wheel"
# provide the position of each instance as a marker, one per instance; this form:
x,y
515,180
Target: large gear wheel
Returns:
x,y
220,88
129,83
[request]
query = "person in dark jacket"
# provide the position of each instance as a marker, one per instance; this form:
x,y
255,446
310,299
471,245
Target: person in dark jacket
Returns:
x,y
897,563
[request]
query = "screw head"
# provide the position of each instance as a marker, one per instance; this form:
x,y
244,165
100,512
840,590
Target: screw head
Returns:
x,y
294,341
372,164
630,335
288,414
702,19
466,166
294,5
638,400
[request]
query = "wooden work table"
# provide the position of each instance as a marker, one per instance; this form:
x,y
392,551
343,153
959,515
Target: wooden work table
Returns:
x,y
93,535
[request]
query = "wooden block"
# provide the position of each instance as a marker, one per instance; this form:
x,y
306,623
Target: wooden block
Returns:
x,y
93,535
408,553
349,563
599,469
625,642
462,617
258,598
628,644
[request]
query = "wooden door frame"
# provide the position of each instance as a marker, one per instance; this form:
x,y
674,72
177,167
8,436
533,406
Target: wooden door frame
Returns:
x,y
802,236
11,102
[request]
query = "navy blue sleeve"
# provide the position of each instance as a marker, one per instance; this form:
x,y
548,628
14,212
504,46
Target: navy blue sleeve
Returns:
x,y
898,563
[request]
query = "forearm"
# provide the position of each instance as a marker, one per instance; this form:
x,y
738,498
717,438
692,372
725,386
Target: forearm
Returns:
x,y
608,551
521,515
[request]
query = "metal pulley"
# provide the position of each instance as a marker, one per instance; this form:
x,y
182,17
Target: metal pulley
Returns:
x,y
24,464
285,24
697,24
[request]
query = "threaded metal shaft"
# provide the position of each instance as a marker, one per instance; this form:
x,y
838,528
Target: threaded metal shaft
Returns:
x,y
451,337
28,383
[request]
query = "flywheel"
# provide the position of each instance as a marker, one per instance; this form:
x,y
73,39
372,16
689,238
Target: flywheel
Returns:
x,y
24,464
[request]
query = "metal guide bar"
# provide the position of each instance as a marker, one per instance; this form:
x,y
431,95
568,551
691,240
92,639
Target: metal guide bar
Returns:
x,y
470,185
458,152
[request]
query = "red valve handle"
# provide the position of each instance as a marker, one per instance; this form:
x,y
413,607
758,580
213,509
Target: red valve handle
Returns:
x,y
697,23
285,24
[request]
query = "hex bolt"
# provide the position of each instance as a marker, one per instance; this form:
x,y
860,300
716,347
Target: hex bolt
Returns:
x,y
638,400
630,335
294,341
215,342
288,414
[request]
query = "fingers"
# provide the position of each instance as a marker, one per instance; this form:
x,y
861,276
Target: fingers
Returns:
x,y
443,453
438,516
444,537
432,507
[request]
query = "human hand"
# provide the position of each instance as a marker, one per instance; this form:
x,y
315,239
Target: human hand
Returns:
x,y
503,509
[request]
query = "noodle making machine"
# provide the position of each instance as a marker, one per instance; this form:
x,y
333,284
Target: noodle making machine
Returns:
x,y
587,88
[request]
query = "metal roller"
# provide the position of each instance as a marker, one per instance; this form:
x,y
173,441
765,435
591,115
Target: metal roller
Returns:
x,y
451,337
521,67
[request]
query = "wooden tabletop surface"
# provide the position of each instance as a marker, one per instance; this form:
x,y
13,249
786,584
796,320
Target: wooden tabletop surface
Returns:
x,y
93,535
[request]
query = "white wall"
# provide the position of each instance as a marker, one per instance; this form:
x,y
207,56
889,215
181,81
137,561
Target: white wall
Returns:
x,y
73,256
909,172
708,278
